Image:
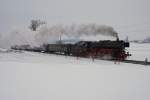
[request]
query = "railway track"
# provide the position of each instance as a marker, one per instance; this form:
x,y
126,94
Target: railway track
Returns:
x,y
125,61
136,62
132,62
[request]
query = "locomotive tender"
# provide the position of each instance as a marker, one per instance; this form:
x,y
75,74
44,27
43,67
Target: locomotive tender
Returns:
x,y
105,49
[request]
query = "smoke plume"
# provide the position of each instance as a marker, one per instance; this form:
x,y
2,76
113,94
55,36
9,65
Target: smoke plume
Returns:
x,y
46,34
51,34
91,29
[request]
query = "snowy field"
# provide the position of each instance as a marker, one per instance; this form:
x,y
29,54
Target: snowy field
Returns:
x,y
139,51
35,76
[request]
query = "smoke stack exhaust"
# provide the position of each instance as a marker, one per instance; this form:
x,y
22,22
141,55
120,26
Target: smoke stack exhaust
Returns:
x,y
50,34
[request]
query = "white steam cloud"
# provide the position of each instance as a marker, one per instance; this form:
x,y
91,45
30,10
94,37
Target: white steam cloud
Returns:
x,y
52,34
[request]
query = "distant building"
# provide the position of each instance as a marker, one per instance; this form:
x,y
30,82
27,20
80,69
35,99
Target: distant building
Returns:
x,y
147,40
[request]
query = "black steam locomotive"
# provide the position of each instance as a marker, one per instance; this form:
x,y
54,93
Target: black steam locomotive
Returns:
x,y
96,49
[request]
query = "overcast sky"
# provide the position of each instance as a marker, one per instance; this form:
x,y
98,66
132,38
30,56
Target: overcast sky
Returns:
x,y
129,17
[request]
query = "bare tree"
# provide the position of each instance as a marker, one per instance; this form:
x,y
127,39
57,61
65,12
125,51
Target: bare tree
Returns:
x,y
35,24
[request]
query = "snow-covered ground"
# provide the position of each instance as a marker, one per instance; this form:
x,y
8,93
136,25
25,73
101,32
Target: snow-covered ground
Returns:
x,y
139,51
37,76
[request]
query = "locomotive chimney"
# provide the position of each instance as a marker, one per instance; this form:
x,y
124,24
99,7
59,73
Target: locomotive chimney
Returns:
x,y
117,38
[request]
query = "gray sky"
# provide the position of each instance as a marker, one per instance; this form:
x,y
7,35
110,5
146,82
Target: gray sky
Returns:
x,y
129,17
